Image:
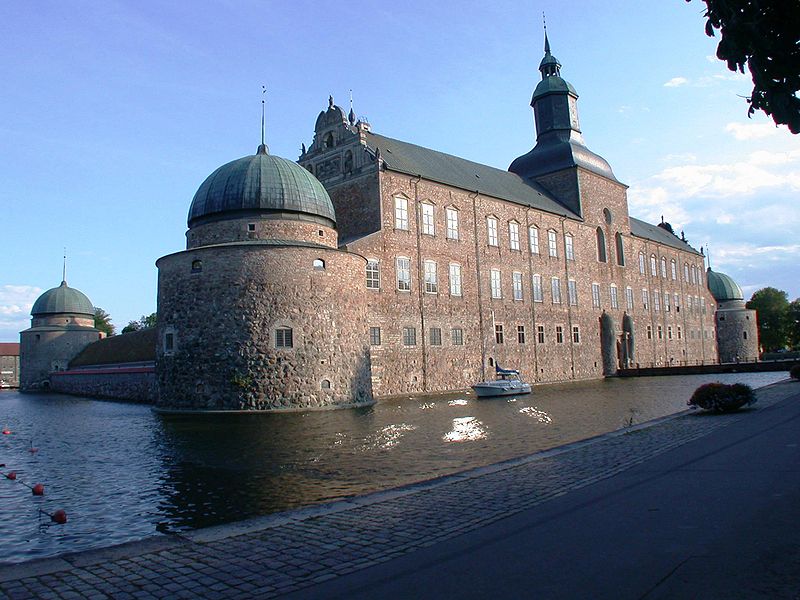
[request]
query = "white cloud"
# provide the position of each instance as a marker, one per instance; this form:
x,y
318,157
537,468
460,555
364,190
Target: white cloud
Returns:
x,y
751,131
685,157
15,309
676,82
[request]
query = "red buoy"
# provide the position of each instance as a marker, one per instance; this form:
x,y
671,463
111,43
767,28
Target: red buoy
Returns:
x,y
11,475
6,431
59,517
38,490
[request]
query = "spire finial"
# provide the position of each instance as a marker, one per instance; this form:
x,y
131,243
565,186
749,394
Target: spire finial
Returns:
x,y
546,41
262,149
330,101
352,116
64,268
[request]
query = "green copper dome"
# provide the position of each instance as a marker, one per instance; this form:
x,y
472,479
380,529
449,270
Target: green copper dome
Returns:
x,y
723,288
63,299
263,184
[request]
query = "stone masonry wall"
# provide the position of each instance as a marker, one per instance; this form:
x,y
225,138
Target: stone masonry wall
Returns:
x,y
223,322
132,385
238,230
737,332
45,349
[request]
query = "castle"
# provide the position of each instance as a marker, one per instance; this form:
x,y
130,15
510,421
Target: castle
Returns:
x,y
374,267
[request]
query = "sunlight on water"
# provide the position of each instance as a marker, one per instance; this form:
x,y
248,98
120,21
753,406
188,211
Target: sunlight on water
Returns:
x,y
465,429
457,402
539,415
388,436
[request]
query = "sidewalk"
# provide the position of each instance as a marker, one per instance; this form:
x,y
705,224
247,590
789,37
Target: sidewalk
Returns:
x,y
691,506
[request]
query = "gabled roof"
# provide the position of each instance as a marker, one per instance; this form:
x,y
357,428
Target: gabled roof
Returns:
x,y
659,235
9,348
465,174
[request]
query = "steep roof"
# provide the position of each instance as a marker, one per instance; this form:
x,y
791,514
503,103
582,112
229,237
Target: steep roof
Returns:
x,y
63,299
465,174
658,234
136,346
9,348
723,287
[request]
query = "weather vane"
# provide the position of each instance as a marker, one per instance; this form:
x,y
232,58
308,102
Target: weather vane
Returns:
x,y
263,93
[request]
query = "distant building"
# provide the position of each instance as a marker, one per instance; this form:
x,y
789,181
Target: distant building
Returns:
x,y
737,326
62,325
9,364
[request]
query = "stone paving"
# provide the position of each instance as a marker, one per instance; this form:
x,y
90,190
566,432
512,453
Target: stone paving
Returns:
x,y
274,555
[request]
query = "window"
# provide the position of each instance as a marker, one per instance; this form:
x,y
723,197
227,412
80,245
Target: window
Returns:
x,y
409,336
703,305
559,334
325,384
540,334
660,332
686,272
431,280
498,333
428,227
552,243
197,266
653,267
452,224
373,275
674,269
663,267
629,298
455,279
318,264
537,288
457,336
348,162
516,279
677,302
666,301
283,337
601,245
491,231
495,283
169,342
533,239
641,263
656,301
680,333
555,287
596,295
403,273
612,289
400,213
251,227
513,235
572,292
521,334
645,300
669,332
436,336
620,249
694,275
569,247
649,332
374,336
689,303
576,334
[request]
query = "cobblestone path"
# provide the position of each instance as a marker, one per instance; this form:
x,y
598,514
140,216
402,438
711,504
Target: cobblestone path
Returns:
x,y
274,555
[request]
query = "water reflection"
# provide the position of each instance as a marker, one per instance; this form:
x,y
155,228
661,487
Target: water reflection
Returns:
x,y
122,472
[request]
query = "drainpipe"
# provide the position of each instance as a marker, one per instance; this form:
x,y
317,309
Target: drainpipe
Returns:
x,y
474,198
569,306
420,283
534,334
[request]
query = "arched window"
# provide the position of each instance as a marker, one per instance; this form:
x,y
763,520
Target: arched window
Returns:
x,y
674,267
325,384
663,267
197,266
348,162
319,264
328,141
653,265
641,263
601,245
620,249
607,216
569,246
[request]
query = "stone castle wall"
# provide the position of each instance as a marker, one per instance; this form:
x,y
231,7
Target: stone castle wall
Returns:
x,y
48,347
737,332
223,320
132,384
239,230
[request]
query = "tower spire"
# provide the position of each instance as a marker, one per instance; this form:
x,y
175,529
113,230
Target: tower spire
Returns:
x,y
64,268
352,116
546,41
262,149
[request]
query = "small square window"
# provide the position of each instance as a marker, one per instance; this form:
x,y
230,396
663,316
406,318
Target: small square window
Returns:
x,y
251,227
284,337
457,336
409,336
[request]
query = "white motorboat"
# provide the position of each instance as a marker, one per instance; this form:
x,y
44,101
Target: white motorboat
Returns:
x,y
508,383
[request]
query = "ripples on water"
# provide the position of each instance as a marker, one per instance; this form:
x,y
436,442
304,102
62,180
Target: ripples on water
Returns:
x,y
122,472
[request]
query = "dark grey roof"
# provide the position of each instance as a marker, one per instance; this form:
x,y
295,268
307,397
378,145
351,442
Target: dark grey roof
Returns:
x,y
260,182
658,234
464,174
136,346
63,299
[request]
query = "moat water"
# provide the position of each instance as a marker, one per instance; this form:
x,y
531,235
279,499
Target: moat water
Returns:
x,y
122,472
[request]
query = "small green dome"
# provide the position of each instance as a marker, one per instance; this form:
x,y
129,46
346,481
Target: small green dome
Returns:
x,y
722,287
63,299
553,84
261,183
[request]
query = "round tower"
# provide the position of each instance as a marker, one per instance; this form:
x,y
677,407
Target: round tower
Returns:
x,y
62,324
262,311
737,327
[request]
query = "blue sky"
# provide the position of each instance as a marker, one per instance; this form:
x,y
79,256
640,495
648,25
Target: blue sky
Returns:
x,y
113,113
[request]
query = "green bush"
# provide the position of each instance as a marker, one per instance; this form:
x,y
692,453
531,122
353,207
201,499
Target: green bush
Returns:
x,y
794,372
720,397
